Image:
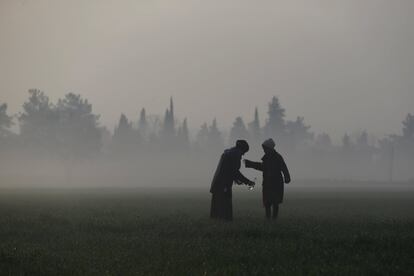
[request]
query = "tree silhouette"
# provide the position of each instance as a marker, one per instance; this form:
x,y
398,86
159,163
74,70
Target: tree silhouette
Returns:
x,y
183,135
275,124
78,129
209,137
143,123
38,121
202,137
362,141
406,142
214,137
123,129
6,122
254,127
408,126
238,131
69,129
169,123
323,141
125,137
298,132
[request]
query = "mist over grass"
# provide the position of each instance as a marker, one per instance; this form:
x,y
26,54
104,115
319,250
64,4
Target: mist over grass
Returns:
x,y
162,231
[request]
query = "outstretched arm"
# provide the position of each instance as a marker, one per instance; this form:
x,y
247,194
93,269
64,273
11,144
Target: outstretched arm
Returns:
x,y
254,165
239,178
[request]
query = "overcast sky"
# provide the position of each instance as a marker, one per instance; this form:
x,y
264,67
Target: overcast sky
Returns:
x,y
343,65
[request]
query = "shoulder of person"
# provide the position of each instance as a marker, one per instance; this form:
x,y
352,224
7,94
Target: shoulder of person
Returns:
x,y
278,154
278,157
227,152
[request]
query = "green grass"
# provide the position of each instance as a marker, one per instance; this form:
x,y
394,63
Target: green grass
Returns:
x,y
321,231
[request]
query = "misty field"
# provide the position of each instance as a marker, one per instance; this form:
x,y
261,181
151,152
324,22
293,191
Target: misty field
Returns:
x,y
357,230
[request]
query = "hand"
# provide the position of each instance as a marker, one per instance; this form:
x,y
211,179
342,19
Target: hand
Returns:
x,y
251,183
247,163
238,182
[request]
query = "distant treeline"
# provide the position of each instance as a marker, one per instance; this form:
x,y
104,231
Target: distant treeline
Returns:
x,y
70,130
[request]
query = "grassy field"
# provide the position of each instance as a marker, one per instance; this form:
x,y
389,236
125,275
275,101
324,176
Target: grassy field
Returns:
x,y
321,231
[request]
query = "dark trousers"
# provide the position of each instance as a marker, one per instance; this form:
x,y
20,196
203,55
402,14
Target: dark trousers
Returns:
x,y
269,207
221,206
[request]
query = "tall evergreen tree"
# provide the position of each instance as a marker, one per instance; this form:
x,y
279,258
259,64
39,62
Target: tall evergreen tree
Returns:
x,y
169,123
215,139
183,135
185,132
172,110
202,137
125,136
238,131
275,124
6,122
78,129
143,123
362,140
406,142
408,127
297,132
254,126
38,121
123,128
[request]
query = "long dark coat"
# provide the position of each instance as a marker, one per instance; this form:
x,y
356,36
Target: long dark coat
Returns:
x,y
275,174
226,173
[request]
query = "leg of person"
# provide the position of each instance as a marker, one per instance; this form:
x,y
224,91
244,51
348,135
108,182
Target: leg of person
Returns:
x,y
268,208
216,210
213,207
275,210
227,207
267,205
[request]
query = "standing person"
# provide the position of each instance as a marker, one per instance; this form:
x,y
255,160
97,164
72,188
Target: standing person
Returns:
x,y
275,174
226,173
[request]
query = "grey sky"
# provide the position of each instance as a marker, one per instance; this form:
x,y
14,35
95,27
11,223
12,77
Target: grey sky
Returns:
x,y
344,65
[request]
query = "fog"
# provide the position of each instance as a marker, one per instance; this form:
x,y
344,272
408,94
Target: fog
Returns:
x,y
62,144
340,70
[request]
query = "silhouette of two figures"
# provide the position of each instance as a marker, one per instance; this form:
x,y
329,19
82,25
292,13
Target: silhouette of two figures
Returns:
x,y
275,174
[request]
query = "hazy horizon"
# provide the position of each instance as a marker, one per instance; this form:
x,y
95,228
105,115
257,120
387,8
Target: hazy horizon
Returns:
x,y
343,65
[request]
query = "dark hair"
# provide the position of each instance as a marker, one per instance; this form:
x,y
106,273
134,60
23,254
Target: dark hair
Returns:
x,y
242,145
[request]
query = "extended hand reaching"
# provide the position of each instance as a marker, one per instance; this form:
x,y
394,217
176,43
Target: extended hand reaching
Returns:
x,y
247,163
238,182
251,183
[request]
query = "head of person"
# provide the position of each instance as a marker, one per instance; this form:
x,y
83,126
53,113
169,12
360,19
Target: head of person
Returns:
x,y
268,145
243,146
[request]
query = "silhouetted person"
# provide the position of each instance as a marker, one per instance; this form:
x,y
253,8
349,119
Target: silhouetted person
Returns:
x,y
226,173
275,174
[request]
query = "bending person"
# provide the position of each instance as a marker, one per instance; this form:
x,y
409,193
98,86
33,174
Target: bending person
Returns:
x,y
227,172
275,174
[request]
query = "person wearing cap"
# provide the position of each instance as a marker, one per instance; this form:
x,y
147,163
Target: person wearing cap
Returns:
x,y
275,174
227,172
